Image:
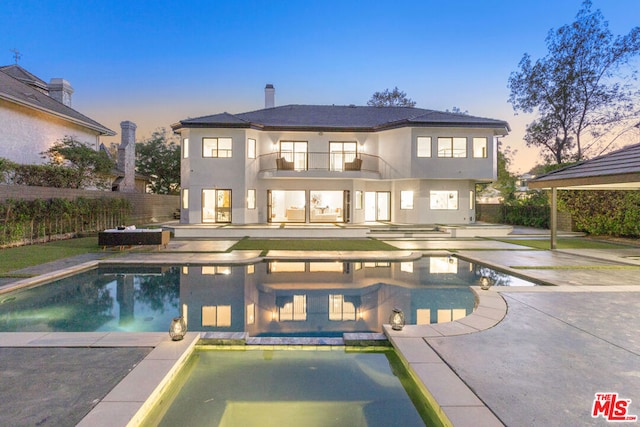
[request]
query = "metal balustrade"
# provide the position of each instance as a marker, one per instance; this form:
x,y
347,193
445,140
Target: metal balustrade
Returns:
x,y
330,162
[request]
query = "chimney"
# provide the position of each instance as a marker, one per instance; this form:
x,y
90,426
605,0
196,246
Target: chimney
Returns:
x,y
127,156
269,96
61,91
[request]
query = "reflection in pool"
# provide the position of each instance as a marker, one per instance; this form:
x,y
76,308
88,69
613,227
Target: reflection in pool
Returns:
x,y
275,298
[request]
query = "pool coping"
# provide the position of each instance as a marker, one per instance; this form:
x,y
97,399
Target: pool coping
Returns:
x,y
454,402
131,399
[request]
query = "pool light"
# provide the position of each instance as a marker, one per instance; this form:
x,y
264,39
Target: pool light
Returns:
x,y
178,328
485,283
397,320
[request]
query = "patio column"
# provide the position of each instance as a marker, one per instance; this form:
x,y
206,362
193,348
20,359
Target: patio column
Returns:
x,y
554,217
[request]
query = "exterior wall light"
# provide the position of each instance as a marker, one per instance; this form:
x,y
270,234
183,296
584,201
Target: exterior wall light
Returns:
x,y
397,320
178,328
485,283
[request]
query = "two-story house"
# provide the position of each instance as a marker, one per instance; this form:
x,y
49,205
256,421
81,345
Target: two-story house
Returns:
x,y
335,164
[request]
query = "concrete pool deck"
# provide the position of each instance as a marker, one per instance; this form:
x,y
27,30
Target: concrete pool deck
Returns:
x,y
541,364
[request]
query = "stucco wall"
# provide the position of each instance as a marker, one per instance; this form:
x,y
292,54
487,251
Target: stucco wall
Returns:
x,y
27,132
451,167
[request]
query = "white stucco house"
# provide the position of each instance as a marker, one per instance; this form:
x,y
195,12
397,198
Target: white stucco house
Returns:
x,y
35,114
335,164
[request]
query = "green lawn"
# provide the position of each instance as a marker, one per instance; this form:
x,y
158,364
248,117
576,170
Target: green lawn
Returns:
x,y
566,243
26,256
312,245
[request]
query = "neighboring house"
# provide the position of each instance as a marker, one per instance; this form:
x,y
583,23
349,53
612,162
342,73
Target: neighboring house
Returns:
x,y
34,115
335,164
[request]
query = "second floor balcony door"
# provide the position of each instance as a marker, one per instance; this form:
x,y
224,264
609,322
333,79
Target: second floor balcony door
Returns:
x,y
296,152
341,153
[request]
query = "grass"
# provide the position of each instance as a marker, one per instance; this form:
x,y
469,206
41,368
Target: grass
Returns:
x,y
565,243
26,256
312,245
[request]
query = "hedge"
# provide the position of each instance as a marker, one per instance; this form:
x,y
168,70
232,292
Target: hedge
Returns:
x,y
31,221
613,213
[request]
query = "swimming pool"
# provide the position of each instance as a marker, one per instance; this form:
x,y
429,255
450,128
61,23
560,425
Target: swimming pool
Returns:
x,y
292,387
271,298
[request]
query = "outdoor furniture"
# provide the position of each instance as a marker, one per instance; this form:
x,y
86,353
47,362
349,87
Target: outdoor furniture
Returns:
x,y
355,165
284,164
133,237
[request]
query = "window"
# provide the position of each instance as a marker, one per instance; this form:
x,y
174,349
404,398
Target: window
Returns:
x,y
292,308
251,199
251,148
444,200
452,147
443,265
406,200
472,199
216,147
479,147
185,198
327,267
341,308
216,315
407,267
251,314
223,270
423,146
185,148
358,199
423,316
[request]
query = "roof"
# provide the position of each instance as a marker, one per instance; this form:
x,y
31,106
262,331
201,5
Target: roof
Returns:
x,y
616,170
340,118
18,91
19,73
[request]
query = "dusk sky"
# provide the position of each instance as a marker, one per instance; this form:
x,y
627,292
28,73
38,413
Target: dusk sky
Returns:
x,y
158,62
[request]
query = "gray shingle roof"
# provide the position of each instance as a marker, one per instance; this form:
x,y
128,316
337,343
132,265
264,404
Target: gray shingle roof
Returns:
x,y
340,118
621,166
19,73
14,90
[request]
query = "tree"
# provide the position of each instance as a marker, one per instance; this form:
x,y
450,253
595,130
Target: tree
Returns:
x,y
457,110
90,167
395,98
506,181
159,158
579,88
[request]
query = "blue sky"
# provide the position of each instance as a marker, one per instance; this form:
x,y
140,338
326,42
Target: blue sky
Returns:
x,y
156,62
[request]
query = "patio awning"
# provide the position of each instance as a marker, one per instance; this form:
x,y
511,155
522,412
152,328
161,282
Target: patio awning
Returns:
x,y
618,170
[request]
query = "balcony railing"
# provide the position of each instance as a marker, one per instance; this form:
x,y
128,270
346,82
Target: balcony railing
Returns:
x,y
330,162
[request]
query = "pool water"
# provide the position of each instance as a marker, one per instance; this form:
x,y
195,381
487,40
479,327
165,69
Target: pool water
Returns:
x,y
292,388
295,298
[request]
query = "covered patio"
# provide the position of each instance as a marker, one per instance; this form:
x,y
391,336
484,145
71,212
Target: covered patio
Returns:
x,y
618,170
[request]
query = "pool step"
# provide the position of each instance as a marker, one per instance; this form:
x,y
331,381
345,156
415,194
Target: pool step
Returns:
x,y
243,338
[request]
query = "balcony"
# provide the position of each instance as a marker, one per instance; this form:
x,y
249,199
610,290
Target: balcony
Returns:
x,y
320,165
